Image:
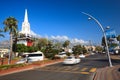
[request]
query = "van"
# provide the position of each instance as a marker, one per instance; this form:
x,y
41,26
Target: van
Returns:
x,y
31,57
35,56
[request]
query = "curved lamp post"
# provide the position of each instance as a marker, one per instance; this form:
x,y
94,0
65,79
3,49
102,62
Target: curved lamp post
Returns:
x,y
104,34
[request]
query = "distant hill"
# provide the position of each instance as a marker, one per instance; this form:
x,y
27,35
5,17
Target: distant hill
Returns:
x,y
4,44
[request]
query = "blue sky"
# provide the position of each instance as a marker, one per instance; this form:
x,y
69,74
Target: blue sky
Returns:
x,y
63,18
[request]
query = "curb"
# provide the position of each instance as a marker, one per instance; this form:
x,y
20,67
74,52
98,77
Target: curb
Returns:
x,y
11,72
93,76
32,67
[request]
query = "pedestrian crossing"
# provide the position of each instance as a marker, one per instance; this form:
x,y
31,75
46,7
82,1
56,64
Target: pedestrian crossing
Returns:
x,y
70,69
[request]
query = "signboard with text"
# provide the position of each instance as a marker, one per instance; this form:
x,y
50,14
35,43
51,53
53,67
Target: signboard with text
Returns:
x,y
110,33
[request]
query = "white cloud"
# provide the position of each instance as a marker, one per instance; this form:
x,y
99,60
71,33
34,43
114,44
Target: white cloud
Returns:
x,y
59,38
34,34
78,41
73,41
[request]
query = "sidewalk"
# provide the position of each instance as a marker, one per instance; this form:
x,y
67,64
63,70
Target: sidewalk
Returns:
x,y
108,73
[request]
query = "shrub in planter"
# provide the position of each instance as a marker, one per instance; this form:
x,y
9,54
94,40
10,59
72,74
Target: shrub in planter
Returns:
x,y
4,67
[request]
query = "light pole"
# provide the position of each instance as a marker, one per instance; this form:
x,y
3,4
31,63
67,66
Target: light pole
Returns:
x,y
104,34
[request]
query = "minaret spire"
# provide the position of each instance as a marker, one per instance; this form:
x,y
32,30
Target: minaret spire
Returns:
x,y
26,25
26,16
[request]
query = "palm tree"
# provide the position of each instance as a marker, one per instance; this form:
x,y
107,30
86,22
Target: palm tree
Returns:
x,y
1,35
11,26
15,39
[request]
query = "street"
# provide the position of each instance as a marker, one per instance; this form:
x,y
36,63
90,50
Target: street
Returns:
x,y
82,71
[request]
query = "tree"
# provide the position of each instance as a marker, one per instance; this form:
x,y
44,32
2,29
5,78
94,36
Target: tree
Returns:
x,y
49,47
15,39
49,51
118,38
21,48
103,42
99,48
113,45
57,45
1,35
66,44
78,49
11,26
42,43
84,50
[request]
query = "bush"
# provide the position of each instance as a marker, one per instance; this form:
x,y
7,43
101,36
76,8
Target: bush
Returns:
x,y
68,54
50,55
4,67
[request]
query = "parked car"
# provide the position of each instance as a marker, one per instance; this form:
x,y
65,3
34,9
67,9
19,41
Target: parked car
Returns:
x,y
61,55
31,57
81,56
35,56
21,61
71,60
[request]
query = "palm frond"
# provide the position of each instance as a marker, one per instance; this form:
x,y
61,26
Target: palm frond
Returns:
x,y
1,35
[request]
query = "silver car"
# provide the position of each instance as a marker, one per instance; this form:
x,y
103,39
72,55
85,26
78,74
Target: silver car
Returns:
x,y
71,60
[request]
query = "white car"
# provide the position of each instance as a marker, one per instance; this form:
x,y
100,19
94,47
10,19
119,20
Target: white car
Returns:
x,y
71,60
31,57
81,56
35,56
21,61
61,55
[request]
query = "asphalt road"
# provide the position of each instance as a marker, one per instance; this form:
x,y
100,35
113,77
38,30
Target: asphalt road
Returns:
x,y
82,71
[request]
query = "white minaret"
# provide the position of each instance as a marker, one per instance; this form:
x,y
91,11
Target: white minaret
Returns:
x,y
26,25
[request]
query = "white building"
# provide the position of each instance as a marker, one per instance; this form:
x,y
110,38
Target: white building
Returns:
x,y
3,52
26,32
26,25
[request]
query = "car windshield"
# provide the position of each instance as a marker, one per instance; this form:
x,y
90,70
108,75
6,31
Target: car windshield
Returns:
x,y
34,55
61,54
69,57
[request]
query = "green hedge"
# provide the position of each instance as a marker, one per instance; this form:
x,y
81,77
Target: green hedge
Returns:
x,y
4,67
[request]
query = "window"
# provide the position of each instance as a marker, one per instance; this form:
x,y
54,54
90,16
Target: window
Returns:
x,y
34,55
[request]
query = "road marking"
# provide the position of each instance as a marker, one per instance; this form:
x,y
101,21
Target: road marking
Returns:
x,y
92,70
70,69
84,69
67,68
84,72
74,69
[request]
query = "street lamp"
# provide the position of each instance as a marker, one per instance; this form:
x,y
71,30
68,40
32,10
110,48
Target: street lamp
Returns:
x,y
104,34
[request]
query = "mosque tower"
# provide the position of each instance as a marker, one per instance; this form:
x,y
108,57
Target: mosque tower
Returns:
x,y
26,25
26,40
